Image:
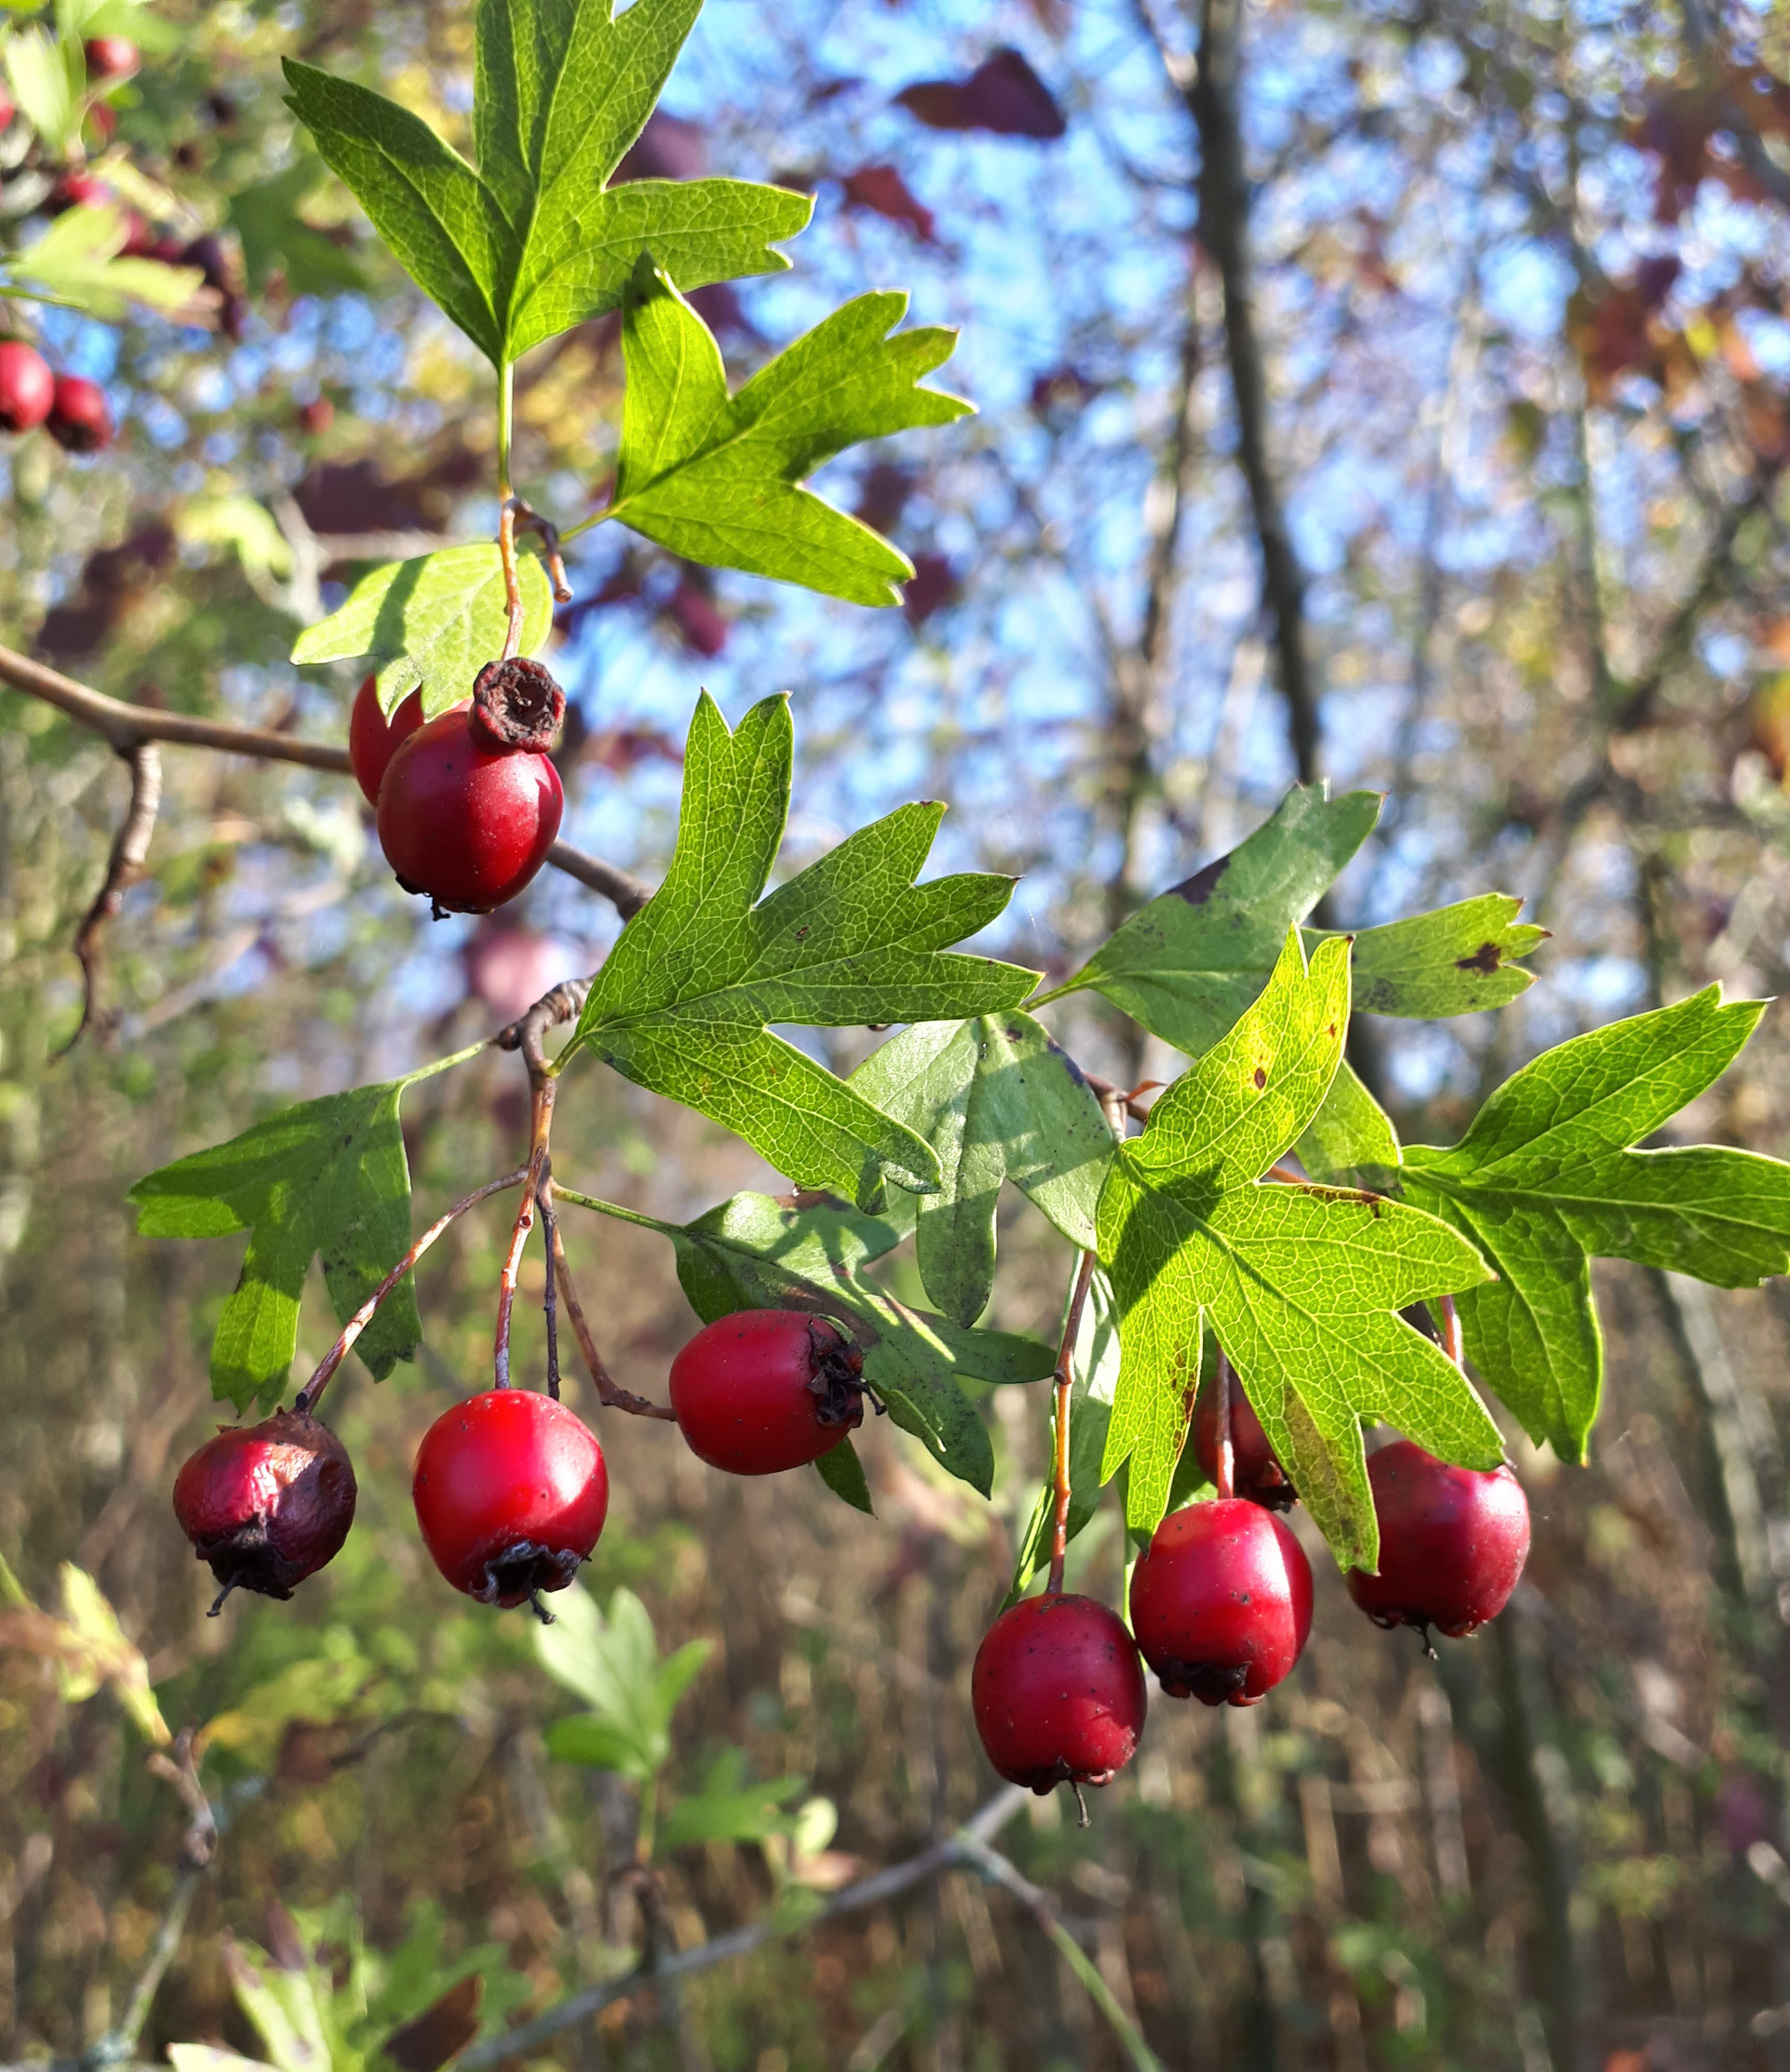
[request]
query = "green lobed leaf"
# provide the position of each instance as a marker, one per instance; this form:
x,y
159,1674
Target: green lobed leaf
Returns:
x,y
329,1177
613,1663
763,1252
843,1472
48,77
681,1004
274,236
1094,1371
1545,1181
534,241
729,1807
1459,959
718,478
434,621
997,1100
1300,1285
1351,1134
1187,965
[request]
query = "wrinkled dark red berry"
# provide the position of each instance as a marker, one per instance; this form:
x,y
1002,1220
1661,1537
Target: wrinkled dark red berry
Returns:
x,y
267,1505
1256,1472
80,418
1058,1690
1452,1542
27,388
1222,1602
763,1390
510,1491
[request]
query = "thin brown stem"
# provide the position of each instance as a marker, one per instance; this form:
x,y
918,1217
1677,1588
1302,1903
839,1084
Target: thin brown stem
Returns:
x,y
609,1393
124,867
1451,1343
1226,1480
550,1230
1065,1387
512,586
519,1236
528,520
364,1316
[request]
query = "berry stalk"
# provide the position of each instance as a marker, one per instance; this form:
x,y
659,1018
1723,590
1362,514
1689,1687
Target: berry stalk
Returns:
x,y
1064,1378
1226,1479
313,1388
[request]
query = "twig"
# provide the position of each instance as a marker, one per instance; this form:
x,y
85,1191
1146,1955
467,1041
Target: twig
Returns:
x,y
124,867
1065,1387
364,1316
125,727
609,1393
527,1034
953,1853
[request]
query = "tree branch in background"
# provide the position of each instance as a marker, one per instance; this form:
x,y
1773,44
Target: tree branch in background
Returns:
x,y
124,867
1213,100
1712,69
126,727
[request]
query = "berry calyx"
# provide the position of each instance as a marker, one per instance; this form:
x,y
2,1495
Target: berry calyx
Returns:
x,y
110,58
27,388
763,1390
511,1492
1222,1602
463,823
1058,1693
373,739
516,704
80,418
1256,1472
1452,1542
267,1505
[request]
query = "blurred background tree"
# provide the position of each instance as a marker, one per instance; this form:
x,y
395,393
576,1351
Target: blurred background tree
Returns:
x,y
1401,397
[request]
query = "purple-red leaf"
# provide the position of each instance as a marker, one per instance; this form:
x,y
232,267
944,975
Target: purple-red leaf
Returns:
x,y
932,587
667,149
1004,96
442,2031
882,191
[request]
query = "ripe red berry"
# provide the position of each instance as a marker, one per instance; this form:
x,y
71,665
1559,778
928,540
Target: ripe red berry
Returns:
x,y
316,417
510,1493
1057,1692
1256,1472
78,190
470,805
267,1505
27,388
110,58
766,1389
80,418
1222,1602
373,739
1452,1542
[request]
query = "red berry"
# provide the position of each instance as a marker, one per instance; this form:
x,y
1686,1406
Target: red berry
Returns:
x,y
1222,1602
80,418
470,804
373,739
510,1493
1058,1693
267,1505
1256,1473
78,190
27,388
1452,1542
766,1389
316,417
110,58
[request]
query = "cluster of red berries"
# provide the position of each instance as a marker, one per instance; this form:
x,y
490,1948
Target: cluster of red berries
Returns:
x,y
1220,1601
510,1487
468,803
70,408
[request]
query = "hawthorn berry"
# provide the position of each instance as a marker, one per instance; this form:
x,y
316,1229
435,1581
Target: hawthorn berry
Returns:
x,y
766,1389
1452,1542
27,388
470,805
1222,1602
1256,1472
80,418
373,739
510,1493
1058,1690
78,190
267,1505
110,58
